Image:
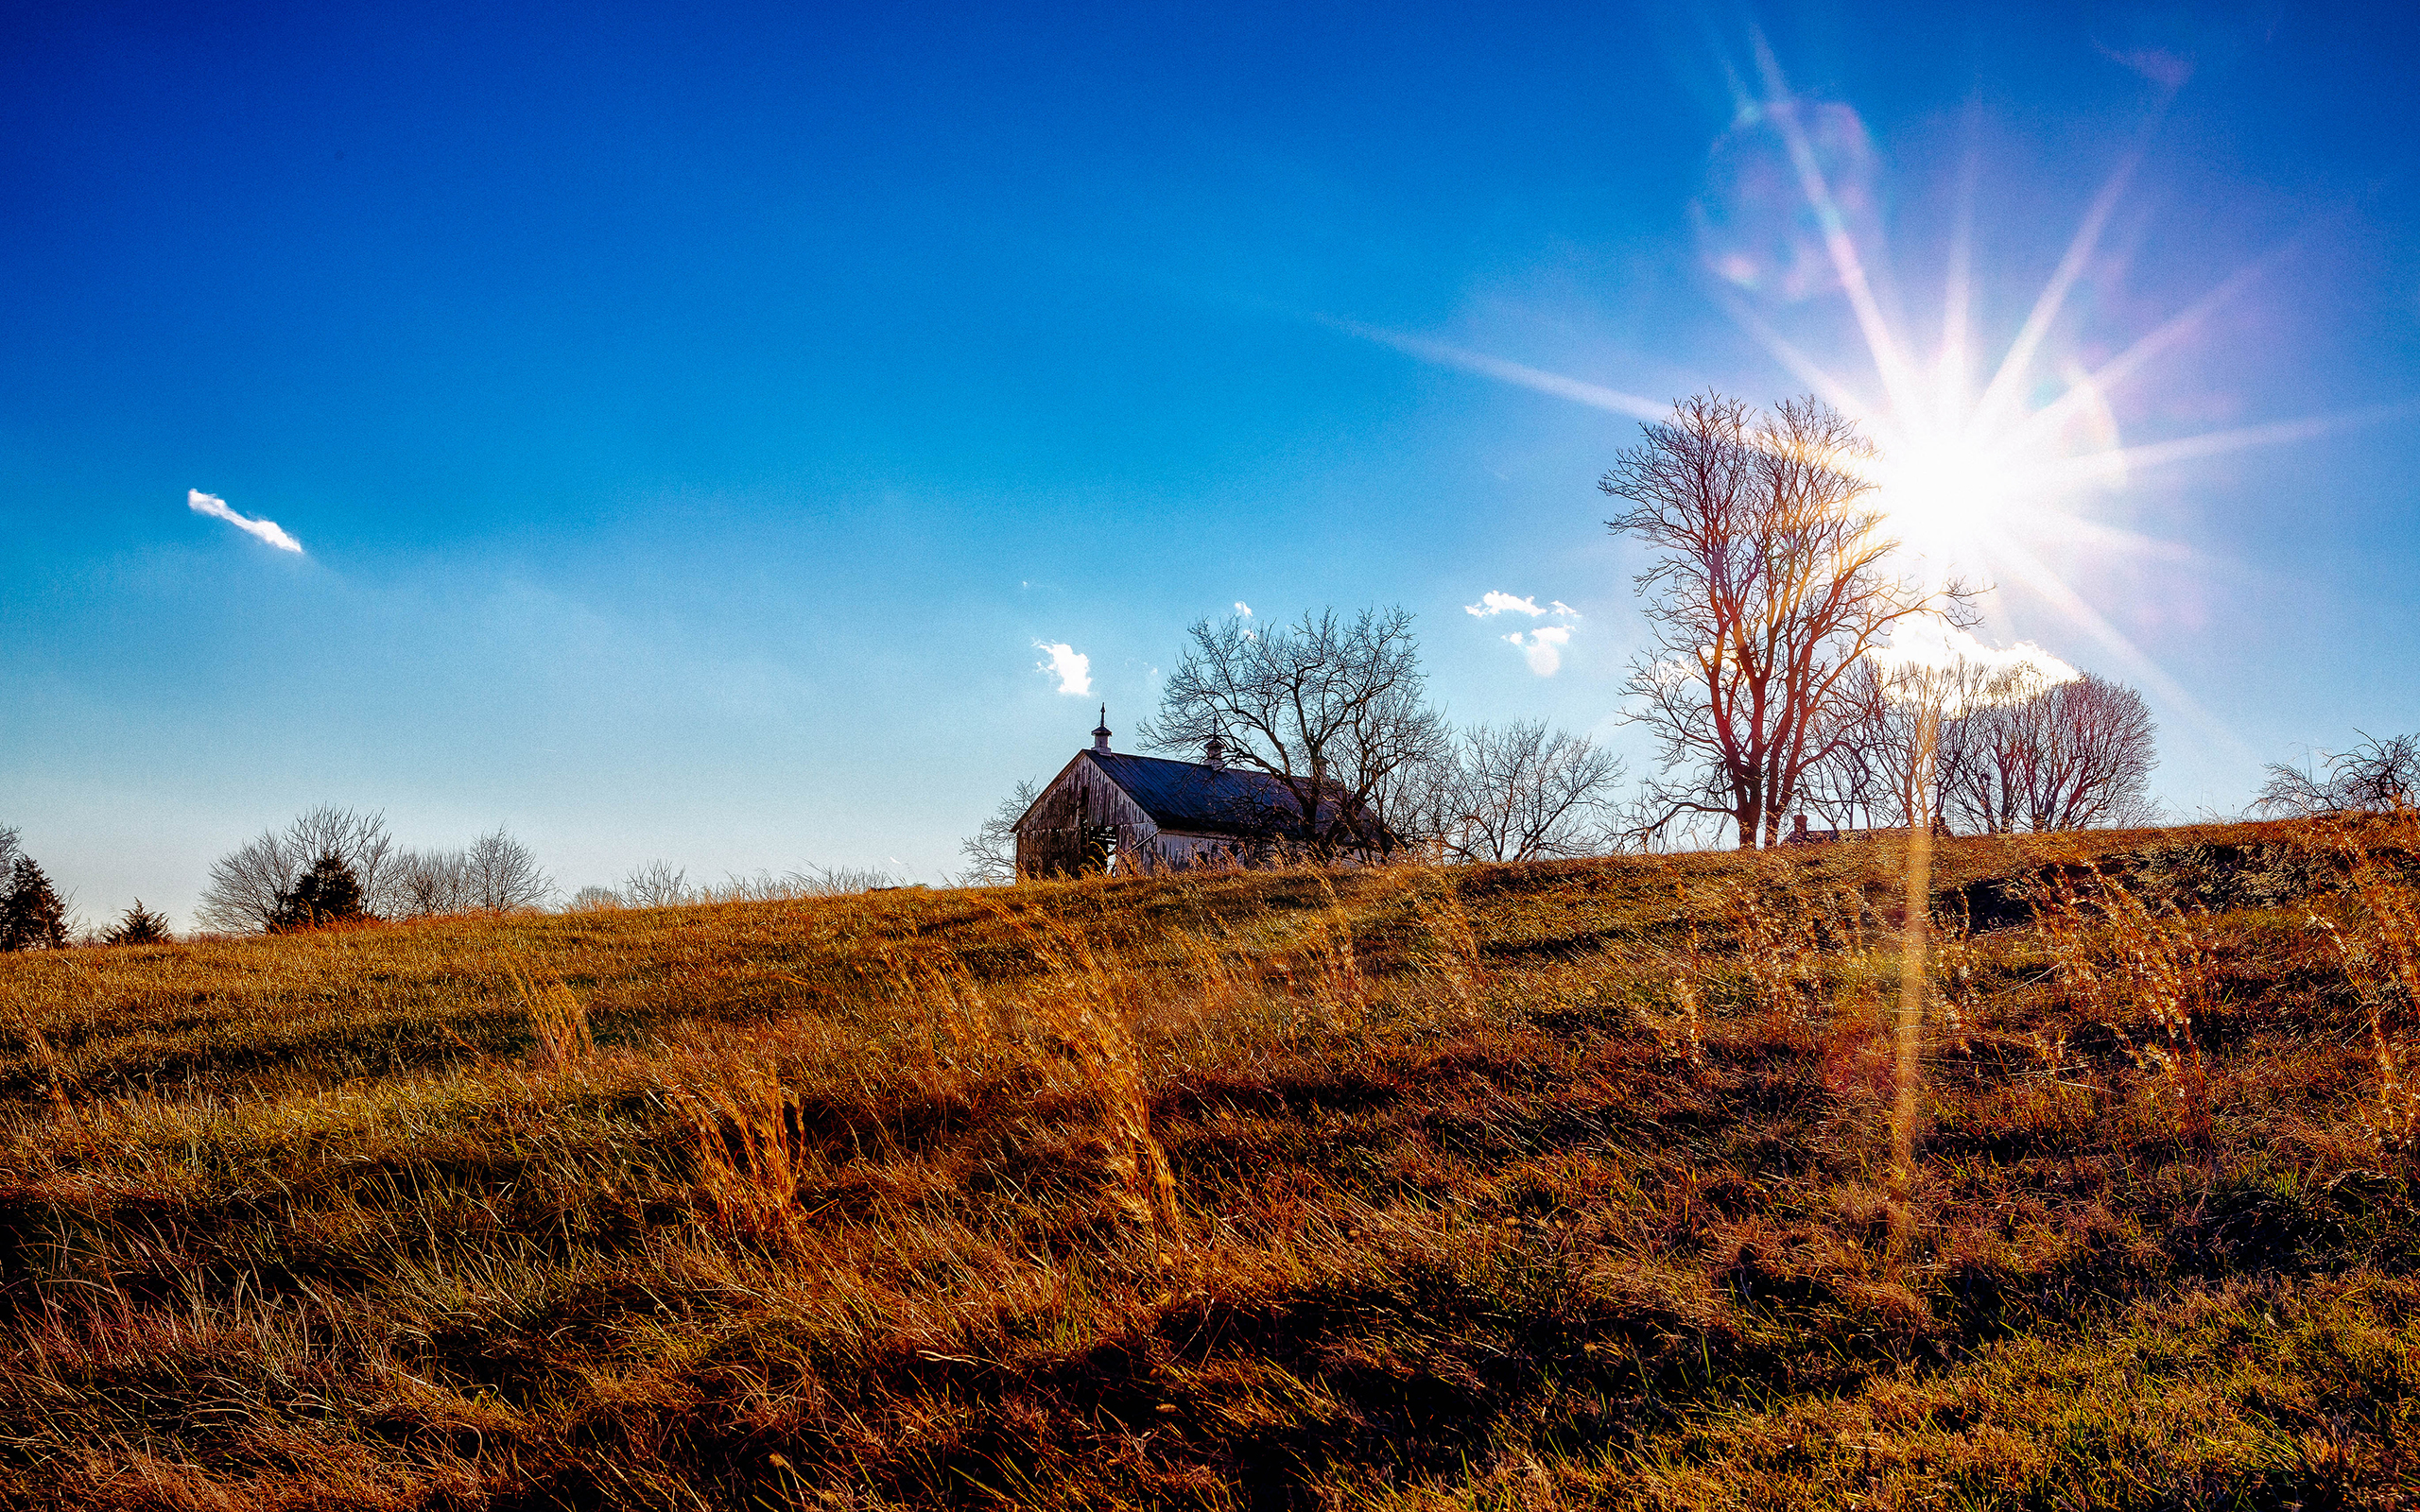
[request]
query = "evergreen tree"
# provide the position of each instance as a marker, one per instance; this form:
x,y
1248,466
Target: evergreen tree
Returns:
x,y
329,893
139,926
31,916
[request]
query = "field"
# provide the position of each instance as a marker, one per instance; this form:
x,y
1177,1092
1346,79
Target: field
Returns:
x,y
1558,1185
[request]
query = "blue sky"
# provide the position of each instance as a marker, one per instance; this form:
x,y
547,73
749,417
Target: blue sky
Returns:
x,y
694,418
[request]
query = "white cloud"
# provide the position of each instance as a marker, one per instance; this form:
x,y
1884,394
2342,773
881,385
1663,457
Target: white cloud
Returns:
x,y
1543,647
1937,643
267,531
1934,643
1243,609
1495,602
1073,669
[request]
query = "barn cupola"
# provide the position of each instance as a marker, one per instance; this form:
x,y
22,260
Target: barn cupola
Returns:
x,y
1216,750
1100,732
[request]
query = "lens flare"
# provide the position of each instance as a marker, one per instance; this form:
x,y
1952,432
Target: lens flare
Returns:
x,y
1982,470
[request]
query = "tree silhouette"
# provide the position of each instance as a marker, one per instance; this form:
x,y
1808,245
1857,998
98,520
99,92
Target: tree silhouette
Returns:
x,y
31,916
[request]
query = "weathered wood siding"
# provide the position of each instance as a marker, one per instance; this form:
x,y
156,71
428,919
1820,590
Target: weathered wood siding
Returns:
x,y
1082,823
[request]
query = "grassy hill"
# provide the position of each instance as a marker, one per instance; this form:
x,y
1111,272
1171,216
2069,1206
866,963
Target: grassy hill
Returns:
x,y
1554,1185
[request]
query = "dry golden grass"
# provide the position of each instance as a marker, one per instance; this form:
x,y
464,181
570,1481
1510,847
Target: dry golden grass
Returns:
x,y
1557,1185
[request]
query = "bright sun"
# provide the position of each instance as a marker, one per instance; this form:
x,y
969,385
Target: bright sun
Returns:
x,y
1939,487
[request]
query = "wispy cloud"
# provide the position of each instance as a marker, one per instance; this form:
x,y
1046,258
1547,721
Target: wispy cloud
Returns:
x,y
265,530
1543,647
1522,374
1073,669
1243,609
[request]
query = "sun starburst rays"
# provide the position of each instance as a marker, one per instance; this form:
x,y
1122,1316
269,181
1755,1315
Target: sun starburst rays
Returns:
x,y
2003,467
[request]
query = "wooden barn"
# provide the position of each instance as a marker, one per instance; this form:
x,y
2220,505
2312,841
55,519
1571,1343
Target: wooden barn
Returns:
x,y
1131,815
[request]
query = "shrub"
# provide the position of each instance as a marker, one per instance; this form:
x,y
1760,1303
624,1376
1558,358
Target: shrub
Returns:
x,y
139,926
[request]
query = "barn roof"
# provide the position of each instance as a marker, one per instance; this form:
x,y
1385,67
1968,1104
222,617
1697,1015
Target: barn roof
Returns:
x,y
1199,800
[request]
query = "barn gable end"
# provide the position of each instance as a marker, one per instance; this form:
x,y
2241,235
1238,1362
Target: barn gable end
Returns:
x,y
1082,821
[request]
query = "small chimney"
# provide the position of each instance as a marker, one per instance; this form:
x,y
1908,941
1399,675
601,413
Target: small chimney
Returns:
x,y
1100,732
1218,748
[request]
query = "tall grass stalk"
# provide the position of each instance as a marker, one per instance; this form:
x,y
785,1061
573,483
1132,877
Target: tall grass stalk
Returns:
x,y
2379,948
749,1147
2149,963
560,1036
1086,1003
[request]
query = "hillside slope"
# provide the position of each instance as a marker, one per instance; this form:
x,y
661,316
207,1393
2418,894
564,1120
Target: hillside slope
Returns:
x,y
1565,1184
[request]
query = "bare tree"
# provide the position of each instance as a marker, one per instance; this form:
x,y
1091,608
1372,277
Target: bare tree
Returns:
x,y
247,885
2092,754
2380,775
1768,585
1986,748
1523,794
421,884
1421,801
1331,709
657,885
991,852
501,875
839,882
1990,753
1910,743
593,899
1890,745
1858,780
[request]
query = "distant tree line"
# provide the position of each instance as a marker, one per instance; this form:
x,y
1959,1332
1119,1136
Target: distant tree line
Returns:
x,y
662,885
2011,749
334,866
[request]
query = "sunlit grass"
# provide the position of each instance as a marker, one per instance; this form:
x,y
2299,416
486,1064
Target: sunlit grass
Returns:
x,y
1562,1184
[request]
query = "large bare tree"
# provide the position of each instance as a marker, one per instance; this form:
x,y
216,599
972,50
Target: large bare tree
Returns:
x,y
1333,708
1768,580
2095,755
